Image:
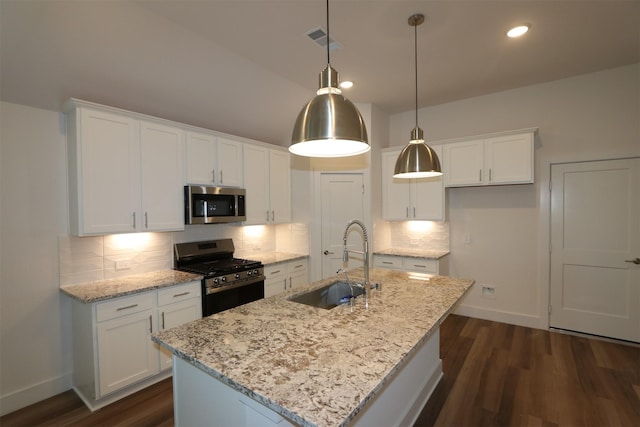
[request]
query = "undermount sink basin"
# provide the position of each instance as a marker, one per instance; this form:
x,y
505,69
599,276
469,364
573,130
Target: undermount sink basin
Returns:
x,y
329,296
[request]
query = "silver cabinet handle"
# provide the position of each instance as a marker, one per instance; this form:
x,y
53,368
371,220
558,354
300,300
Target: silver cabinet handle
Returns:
x,y
387,262
407,211
420,265
181,294
146,220
213,175
275,272
126,307
163,320
489,175
635,260
221,180
134,220
327,253
273,216
285,284
267,216
290,284
414,211
480,175
150,325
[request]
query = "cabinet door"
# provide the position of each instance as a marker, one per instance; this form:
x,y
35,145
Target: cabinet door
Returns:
x,y
428,196
396,193
200,158
104,186
126,353
256,181
280,186
161,178
275,281
463,164
229,161
298,275
173,315
509,159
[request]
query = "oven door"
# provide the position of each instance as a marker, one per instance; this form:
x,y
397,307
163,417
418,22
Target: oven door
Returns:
x,y
220,299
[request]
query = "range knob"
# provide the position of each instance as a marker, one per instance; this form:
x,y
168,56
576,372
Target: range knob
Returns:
x,y
223,279
255,272
215,280
249,273
237,275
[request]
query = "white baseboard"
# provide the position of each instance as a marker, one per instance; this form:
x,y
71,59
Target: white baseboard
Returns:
x,y
35,393
526,320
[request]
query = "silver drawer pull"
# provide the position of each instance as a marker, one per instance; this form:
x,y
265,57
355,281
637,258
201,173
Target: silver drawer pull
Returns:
x,y
126,307
419,265
299,266
387,262
181,294
275,272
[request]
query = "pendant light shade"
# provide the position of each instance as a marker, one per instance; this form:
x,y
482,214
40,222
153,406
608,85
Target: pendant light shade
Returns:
x,y
329,125
417,159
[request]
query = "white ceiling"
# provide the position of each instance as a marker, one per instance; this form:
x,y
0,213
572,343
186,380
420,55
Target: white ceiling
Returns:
x,y
247,68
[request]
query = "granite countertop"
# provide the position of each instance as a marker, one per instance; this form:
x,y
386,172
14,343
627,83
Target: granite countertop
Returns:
x,y
318,367
413,253
127,285
270,258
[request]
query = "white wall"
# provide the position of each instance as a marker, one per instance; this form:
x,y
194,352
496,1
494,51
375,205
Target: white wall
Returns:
x,y
593,116
35,344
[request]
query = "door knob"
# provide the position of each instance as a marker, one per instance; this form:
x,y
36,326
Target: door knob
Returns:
x,y
635,260
327,253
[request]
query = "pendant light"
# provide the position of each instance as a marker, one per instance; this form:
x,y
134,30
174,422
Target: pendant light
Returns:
x,y
417,159
329,125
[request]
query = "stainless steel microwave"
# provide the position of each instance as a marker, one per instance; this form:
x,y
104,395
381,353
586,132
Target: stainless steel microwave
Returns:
x,y
211,205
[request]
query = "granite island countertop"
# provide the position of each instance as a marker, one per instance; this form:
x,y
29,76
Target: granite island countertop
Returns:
x,y
270,258
113,288
318,367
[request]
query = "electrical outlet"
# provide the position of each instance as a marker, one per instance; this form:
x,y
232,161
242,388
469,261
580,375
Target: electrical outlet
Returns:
x,y
488,292
123,264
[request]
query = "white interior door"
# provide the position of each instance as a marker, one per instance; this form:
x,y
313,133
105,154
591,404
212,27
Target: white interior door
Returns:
x,y
595,239
342,200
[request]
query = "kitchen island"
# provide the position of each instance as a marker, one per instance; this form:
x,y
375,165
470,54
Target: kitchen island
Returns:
x,y
278,362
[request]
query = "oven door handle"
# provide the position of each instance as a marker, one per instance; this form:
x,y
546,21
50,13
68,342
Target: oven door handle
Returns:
x,y
256,279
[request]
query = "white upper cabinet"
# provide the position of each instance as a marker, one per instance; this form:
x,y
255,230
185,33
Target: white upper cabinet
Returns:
x,y
498,160
161,175
125,174
410,199
267,180
213,160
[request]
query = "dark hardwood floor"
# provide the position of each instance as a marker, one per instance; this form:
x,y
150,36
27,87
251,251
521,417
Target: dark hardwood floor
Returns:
x,y
494,375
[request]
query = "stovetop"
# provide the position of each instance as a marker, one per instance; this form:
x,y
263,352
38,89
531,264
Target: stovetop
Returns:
x,y
221,267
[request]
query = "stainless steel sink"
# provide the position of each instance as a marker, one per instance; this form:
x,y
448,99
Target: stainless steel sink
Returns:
x,y
329,296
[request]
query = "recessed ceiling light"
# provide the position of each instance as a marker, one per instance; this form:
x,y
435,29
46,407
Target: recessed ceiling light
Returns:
x,y
518,31
346,84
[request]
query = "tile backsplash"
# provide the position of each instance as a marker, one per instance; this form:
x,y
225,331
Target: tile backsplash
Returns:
x,y
431,235
90,259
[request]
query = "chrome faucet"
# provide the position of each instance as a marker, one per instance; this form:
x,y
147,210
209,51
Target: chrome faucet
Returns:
x,y
364,252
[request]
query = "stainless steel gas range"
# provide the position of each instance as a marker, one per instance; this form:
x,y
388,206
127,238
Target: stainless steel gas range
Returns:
x,y
228,282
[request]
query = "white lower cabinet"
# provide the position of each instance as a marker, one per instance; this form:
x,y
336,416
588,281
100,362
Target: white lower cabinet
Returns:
x,y
113,352
285,276
413,264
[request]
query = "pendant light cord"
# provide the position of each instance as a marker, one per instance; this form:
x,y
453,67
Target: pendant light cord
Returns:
x,y
415,35
328,38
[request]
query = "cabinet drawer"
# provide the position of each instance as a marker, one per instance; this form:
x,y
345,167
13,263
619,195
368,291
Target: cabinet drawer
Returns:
x,y
420,265
179,293
387,261
124,306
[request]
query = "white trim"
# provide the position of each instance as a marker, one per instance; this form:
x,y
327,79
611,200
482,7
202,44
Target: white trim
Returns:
x,y
525,320
35,393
